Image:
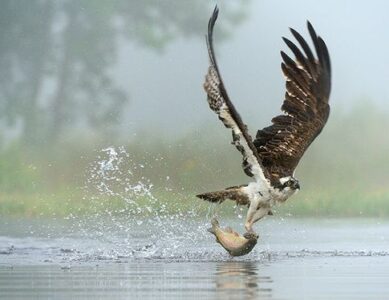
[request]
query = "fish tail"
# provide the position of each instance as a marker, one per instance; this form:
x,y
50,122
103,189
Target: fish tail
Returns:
x,y
215,224
211,230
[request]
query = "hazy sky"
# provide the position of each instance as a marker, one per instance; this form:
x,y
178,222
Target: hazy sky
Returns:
x,y
166,89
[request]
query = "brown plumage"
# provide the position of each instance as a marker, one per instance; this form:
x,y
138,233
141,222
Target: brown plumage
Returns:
x,y
234,193
306,109
279,147
272,157
220,103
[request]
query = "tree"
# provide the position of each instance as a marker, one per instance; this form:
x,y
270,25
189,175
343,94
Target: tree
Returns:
x,y
56,57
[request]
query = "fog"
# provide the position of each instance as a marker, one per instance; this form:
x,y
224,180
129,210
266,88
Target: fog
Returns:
x,y
166,88
106,138
81,76
163,81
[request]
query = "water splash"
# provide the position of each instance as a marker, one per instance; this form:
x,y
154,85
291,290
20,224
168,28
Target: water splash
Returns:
x,y
128,209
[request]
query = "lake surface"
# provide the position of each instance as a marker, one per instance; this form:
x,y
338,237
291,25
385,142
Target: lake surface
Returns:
x,y
295,259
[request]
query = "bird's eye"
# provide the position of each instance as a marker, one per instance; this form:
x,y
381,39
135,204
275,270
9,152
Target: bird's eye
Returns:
x,y
286,184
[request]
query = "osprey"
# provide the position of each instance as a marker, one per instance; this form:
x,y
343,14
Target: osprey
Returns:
x,y
271,158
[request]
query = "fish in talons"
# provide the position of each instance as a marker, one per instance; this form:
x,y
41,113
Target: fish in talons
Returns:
x,y
234,243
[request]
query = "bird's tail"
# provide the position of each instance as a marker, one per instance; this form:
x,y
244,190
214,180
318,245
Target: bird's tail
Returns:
x,y
215,197
233,193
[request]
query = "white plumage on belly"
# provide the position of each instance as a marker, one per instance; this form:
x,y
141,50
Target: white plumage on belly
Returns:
x,y
267,195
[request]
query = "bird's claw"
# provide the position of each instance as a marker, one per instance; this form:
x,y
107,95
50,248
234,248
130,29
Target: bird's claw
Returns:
x,y
251,235
249,227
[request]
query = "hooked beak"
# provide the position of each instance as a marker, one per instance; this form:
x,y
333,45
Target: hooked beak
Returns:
x,y
296,186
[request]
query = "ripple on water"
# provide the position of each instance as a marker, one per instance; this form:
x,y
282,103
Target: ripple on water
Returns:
x,y
143,228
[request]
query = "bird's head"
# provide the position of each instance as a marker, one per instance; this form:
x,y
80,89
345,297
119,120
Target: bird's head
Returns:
x,y
289,183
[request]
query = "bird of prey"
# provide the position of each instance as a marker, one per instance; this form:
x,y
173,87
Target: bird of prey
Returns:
x,y
271,158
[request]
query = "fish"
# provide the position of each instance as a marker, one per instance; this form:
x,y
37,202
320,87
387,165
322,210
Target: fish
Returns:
x,y
234,243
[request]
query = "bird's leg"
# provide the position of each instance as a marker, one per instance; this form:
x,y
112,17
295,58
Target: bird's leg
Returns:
x,y
250,214
260,213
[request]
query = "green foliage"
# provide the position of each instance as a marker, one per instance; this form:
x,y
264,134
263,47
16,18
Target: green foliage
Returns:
x,y
16,173
344,173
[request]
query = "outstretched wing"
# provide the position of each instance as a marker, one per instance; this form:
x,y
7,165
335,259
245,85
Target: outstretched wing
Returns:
x,y
220,103
306,110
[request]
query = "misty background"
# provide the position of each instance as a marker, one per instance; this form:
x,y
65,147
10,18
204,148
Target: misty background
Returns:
x,y
80,76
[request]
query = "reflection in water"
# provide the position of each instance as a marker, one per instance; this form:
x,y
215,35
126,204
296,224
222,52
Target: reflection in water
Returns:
x,y
295,278
241,278
321,265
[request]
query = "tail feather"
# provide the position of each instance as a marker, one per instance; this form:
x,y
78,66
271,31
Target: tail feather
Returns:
x,y
232,193
215,197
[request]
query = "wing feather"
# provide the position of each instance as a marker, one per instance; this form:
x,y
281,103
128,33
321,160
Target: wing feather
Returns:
x,y
221,104
306,109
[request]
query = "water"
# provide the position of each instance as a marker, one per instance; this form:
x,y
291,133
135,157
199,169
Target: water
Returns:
x,y
295,259
149,249
298,278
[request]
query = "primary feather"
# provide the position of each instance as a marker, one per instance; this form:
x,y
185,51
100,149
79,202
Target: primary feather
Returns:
x,y
277,149
306,109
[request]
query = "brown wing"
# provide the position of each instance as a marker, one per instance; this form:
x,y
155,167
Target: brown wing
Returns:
x,y
221,104
306,109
